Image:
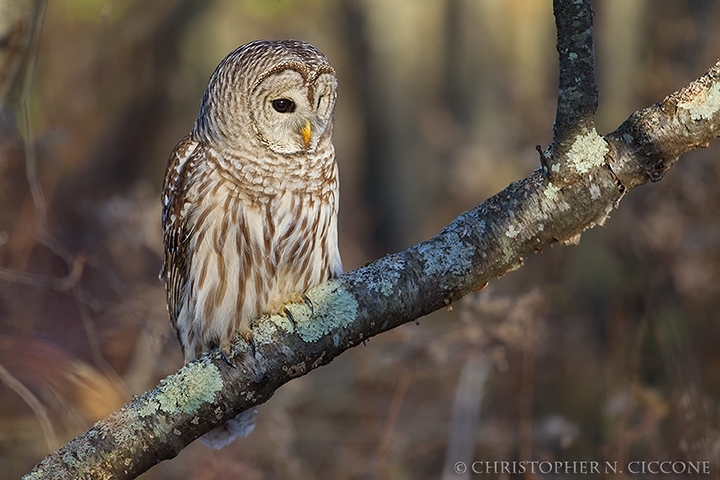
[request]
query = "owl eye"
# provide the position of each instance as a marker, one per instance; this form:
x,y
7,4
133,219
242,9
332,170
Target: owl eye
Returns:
x,y
283,105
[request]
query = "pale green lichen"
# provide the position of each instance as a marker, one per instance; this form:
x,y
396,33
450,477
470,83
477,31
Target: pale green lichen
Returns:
x,y
37,473
393,272
386,288
75,459
512,232
264,332
705,105
385,284
333,307
146,410
587,152
450,256
196,383
507,249
551,193
186,391
125,427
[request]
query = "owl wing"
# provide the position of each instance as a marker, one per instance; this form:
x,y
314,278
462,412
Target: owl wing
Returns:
x,y
183,161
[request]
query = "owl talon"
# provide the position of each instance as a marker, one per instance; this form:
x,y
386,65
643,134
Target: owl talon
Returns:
x,y
288,314
225,354
309,303
250,339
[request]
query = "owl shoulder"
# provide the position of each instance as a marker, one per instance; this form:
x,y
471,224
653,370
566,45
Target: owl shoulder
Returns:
x,y
182,165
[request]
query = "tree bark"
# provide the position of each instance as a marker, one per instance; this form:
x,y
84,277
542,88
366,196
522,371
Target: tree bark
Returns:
x,y
584,176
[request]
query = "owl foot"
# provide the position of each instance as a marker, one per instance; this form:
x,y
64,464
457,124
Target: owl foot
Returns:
x,y
279,305
285,312
226,347
225,354
309,303
247,335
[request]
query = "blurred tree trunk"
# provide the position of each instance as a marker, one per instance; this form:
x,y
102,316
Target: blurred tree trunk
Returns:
x,y
398,49
620,49
121,154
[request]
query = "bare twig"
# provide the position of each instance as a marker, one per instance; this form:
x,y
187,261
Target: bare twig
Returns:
x,y
404,383
462,433
63,284
94,344
29,136
37,407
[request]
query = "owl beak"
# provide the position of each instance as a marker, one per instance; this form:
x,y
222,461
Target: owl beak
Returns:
x,y
306,132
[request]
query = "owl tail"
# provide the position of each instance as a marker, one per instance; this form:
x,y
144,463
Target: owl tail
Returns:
x,y
240,426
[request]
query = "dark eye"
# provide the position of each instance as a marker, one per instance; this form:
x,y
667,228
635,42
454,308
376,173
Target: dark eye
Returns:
x,y
283,105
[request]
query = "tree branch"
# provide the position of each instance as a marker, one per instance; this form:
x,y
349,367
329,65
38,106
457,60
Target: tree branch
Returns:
x,y
577,91
479,245
577,88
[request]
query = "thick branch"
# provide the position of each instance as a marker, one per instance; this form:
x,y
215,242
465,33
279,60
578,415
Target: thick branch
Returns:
x,y
479,245
577,88
577,92
656,136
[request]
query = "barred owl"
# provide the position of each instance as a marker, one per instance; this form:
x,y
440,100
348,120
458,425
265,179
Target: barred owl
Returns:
x,y
250,200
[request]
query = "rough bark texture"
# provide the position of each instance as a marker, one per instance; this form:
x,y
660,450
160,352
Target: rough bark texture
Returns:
x,y
484,243
577,88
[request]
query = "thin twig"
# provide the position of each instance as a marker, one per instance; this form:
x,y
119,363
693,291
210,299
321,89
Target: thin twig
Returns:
x,y
92,338
396,403
462,431
38,409
31,168
63,284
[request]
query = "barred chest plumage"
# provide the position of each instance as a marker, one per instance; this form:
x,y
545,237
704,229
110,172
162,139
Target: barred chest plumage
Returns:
x,y
252,251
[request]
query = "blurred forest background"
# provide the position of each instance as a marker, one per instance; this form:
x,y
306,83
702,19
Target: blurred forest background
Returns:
x,y
603,351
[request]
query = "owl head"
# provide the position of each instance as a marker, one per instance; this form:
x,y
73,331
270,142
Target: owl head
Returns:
x,y
279,94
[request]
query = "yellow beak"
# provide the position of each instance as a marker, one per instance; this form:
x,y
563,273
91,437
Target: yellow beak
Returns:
x,y
306,132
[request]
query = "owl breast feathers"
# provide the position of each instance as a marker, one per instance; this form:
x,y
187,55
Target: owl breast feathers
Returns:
x,y
250,197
